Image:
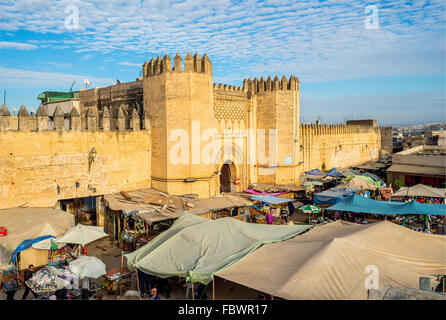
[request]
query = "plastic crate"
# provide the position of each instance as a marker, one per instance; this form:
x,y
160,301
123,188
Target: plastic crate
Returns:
x,y
3,232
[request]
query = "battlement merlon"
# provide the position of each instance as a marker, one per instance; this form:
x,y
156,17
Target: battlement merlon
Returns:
x,y
191,64
39,122
259,86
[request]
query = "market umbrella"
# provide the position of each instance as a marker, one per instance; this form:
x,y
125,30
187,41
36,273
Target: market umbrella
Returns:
x,y
47,244
48,279
309,208
80,234
87,267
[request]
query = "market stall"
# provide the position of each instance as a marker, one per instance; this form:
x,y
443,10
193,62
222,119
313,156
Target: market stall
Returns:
x,y
206,246
140,214
269,209
226,205
311,265
27,225
421,193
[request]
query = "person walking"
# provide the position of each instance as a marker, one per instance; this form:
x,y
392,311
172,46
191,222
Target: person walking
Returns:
x,y
9,284
28,275
85,288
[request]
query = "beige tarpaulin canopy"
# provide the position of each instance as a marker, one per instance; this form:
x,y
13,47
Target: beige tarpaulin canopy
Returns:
x,y
271,188
330,261
148,205
30,223
218,203
420,190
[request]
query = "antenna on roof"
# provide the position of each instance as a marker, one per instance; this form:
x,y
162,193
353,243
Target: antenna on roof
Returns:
x,y
71,88
87,83
4,98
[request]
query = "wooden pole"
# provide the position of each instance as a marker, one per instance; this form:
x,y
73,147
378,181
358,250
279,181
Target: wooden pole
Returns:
x,y
193,291
122,261
137,282
213,288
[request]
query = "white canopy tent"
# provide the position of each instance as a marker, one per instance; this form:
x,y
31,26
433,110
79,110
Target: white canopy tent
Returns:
x,y
420,190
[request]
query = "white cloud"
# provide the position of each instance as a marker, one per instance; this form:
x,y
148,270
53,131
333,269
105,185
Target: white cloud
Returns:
x,y
317,41
130,64
17,45
18,78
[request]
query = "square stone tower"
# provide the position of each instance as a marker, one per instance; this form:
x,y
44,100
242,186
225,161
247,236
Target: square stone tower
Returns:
x,y
180,105
278,115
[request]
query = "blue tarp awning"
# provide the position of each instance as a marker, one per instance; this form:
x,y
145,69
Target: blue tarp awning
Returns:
x,y
26,244
333,195
334,173
316,172
356,203
270,199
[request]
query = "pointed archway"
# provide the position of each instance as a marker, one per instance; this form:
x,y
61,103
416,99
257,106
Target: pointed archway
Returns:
x,y
227,177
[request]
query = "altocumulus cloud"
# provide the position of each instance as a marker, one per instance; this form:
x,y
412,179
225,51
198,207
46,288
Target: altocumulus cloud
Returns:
x,y
18,78
17,45
318,41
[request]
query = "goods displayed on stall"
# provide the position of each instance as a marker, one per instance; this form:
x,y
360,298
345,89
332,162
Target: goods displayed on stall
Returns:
x,y
269,209
117,280
50,279
8,279
420,193
133,215
311,265
196,247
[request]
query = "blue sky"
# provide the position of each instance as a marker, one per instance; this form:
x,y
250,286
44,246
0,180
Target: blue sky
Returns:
x,y
395,73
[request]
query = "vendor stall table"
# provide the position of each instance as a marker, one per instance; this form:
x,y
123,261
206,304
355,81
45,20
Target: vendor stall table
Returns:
x,y
120,279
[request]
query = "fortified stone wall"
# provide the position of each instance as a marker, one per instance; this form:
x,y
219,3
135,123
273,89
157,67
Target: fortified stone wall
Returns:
x,y
340,146
39,167
134,128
